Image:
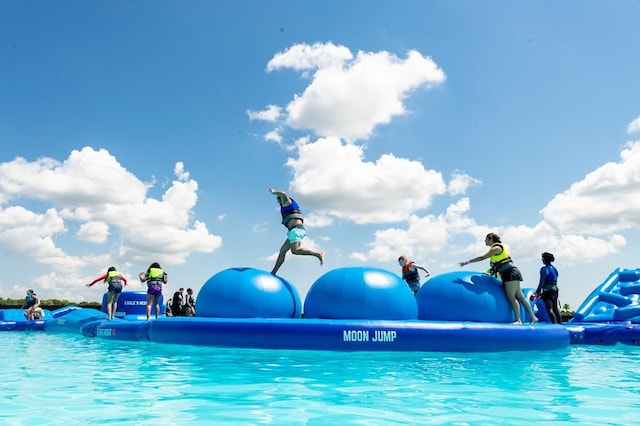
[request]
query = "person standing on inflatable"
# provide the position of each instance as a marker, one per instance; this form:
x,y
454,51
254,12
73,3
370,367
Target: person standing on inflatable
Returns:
x,y
548,287
511,277
155,277
115,281
410,273
292,220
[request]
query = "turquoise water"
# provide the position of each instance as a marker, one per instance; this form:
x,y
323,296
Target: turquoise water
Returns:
x,y
64,379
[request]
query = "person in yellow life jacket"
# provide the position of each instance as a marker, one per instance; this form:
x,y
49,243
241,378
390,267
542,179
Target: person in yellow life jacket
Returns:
x,y
115,282
293,221
155,277
501,263
410,273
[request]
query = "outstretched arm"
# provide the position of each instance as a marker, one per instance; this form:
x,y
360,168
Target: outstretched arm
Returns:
x,y
493,250
284,198
104,277
426,271
277,193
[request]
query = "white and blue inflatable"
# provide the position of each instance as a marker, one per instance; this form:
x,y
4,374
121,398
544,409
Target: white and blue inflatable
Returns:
x,y
358,309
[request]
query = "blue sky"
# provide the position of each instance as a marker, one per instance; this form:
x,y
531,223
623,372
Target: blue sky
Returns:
x,y
134,132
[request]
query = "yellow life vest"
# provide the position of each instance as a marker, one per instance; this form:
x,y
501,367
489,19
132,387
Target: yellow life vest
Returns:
x,y
502,261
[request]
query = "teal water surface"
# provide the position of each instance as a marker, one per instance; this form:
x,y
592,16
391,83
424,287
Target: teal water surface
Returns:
x,y
64,379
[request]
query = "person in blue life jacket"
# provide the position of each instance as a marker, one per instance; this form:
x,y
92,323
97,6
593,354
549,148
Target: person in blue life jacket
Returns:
x,y
31,303
155,278
548,287
410,273
293,221
501,263
115,282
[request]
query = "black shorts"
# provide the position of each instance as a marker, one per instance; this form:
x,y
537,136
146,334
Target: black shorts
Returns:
x,y
511,274
550,295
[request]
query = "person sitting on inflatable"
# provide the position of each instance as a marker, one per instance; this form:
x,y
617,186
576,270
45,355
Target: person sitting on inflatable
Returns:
x,y
38,313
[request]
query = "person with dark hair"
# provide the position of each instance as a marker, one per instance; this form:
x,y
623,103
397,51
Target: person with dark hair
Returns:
x,y
155,277
410,273
548,287
189,309
31,303
293,221
501,263
177,303
115,282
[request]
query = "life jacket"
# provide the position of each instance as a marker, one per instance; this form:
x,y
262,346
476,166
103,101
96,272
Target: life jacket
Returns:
x,y
114,277
38,313
408,274
155,277
292,211
29,300
551,278
188,300
500,262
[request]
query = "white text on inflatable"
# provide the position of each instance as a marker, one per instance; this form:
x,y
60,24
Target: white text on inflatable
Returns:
x,y
365,336
135,302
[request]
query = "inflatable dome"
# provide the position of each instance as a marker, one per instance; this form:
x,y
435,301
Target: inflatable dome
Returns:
x,y
248,293
464,296
360,293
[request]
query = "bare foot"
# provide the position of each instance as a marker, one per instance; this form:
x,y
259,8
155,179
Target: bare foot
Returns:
x,y
321,257
518,322
534,320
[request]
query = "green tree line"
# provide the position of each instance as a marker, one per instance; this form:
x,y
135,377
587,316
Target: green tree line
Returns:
x,y
18,303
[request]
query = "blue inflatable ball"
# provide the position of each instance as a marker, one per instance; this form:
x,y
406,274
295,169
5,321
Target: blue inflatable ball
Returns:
x,y
464,296
248,293
360,293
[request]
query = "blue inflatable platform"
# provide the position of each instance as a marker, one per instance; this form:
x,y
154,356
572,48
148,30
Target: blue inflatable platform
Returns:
x,y
358,309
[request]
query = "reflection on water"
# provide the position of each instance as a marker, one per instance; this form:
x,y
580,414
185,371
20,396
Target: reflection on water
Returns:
x,y
73,379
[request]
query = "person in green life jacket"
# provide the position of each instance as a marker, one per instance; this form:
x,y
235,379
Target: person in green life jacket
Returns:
x,y
293,221
115,282
155,277
501,263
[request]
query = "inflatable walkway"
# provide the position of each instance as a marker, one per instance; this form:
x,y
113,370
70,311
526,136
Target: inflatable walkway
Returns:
x,y
356,309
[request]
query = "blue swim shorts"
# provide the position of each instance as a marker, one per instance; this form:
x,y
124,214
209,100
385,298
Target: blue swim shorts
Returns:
x,y
414,286
296,234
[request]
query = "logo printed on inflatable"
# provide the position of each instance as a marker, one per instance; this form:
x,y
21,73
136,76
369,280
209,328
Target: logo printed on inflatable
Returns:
x,y
383,336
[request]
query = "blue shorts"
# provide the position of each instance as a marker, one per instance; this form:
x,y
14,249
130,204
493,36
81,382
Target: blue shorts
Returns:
x,y
295,235
115,287
414,286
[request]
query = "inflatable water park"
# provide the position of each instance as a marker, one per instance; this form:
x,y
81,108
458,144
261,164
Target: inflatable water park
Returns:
x,y
357,309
